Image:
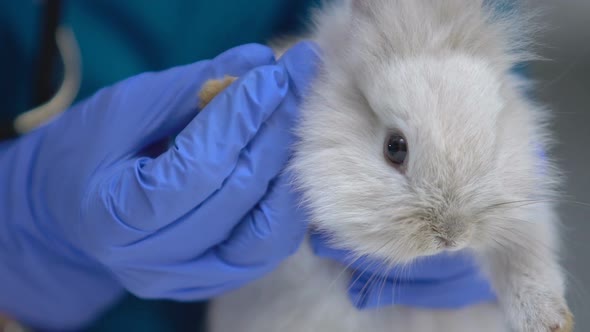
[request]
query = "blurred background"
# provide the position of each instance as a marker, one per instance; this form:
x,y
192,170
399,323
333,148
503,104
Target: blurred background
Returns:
x,y
564,84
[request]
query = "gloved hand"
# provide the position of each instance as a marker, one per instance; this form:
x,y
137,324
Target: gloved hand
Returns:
x,y
443,281
96,199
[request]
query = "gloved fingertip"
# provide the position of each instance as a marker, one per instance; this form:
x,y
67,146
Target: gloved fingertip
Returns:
x,y
237,113
306,49
312,47
280,77
247,55
266,83
302,61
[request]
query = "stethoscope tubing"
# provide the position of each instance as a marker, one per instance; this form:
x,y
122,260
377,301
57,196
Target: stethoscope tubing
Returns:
x,y
56,41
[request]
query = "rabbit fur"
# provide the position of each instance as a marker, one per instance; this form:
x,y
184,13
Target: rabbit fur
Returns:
x,y
439,72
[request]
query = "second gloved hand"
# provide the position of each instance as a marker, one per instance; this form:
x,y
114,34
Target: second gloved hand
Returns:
x,y
442,281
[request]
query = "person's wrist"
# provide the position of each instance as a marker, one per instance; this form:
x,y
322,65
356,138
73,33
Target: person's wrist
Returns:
x,y
45,281
26,216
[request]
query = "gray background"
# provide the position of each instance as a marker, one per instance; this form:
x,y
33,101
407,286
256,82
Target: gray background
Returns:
x,y
564,83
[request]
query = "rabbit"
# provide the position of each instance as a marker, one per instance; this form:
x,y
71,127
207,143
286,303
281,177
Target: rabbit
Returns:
x,y
417,138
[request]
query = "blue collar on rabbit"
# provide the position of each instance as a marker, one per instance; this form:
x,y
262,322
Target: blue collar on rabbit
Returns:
x,y
445,281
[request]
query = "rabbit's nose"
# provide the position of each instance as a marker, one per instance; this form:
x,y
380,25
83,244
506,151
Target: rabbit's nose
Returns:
x,y
444,242
453,235
450,244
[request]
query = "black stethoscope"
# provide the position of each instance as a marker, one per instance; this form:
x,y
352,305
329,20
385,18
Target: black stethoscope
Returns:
x,y
55,40
48,48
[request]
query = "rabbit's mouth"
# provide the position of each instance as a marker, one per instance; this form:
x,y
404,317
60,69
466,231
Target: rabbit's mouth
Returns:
x,y
450,244
445,243
453,237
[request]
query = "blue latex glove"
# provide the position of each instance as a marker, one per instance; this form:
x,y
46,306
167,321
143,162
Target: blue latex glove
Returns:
x,y
444,281
96,200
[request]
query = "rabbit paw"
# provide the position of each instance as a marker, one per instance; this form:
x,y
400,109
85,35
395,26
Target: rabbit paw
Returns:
x,y
540,312
212,88
568,323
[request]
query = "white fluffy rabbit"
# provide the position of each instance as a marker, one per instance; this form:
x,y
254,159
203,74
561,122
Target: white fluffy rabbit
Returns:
x,y
431,78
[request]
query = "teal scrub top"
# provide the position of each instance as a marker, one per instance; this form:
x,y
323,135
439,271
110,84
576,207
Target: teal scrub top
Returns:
x,y
118,39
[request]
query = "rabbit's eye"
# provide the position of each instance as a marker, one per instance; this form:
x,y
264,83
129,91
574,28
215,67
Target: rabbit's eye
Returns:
x,y
396,149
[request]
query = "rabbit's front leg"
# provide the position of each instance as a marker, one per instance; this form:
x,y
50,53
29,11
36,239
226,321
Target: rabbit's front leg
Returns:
x,y
524,270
